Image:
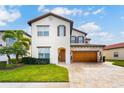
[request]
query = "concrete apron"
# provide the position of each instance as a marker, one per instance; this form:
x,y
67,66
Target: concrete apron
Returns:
x,y
75,76
34,85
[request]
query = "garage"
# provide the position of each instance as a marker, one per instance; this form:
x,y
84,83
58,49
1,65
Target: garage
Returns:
x,y
84,56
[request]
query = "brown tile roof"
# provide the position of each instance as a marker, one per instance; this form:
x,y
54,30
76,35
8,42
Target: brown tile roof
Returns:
x,y
80,31
87,45
48,14
55,15
114,46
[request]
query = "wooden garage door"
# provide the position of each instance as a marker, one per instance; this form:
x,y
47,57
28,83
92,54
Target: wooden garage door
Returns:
x,y
81,56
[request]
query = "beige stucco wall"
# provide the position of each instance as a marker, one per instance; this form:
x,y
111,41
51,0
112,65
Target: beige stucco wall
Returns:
x,y
53,41
76,33
109,54
98,49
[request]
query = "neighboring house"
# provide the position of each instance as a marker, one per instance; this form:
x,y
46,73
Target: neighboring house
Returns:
x,y
114,51
9,42
54,37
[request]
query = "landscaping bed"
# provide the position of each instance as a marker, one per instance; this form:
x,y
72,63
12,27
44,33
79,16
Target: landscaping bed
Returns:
x,y
35,73
13,66
5,66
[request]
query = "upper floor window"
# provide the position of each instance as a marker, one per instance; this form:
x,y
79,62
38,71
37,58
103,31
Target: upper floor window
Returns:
x,y
73,39
61,30
10,41
80,39
116,54
42,30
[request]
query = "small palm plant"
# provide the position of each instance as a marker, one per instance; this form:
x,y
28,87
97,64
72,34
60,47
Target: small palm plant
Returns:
x,y
6,51
21,44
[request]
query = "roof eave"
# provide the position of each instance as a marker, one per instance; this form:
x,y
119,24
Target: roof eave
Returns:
x,y
113,48
45,15
80,31
88,45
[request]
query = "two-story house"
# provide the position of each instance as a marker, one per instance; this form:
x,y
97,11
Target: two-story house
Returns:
x,y
54,37
9,42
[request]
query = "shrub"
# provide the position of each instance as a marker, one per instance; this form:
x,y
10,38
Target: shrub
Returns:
x,y
13,60
42,61
30,60
3,64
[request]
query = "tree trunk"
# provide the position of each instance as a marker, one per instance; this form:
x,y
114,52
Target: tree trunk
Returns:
x,y
9,58
17,58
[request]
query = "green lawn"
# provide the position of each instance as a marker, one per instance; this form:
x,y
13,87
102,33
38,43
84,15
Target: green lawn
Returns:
x,y
117,62
35,73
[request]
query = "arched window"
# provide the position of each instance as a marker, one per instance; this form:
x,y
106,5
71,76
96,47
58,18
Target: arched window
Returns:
x,y
61,30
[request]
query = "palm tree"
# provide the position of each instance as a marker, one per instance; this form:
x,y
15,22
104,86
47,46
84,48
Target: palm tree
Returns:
x,y
20,40
6,51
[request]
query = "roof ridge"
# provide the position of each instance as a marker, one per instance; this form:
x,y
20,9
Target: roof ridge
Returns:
x,y
47,14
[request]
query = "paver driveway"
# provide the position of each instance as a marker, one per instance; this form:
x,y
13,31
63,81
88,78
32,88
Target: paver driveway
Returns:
x,y
95,75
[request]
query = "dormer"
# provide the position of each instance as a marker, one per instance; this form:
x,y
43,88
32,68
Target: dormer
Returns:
x,y
78,36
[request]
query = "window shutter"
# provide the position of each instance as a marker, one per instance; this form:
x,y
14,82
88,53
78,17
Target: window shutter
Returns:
x,y
64,31
58,31
76,39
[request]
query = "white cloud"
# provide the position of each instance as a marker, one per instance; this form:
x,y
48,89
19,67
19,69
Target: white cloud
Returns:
x,y
8,14
90,27
41,7
122,33
60,10
122,17
95,32
86,13
98,11
67,11
2,23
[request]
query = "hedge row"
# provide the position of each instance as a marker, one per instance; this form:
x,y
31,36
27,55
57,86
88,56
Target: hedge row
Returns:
x,y
3,64
30,60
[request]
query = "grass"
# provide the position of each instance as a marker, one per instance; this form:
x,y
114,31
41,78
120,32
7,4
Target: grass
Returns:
x,y
117,62
35,73
10,66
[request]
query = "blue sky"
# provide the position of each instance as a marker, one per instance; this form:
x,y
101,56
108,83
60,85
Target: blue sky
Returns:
x,y
104,24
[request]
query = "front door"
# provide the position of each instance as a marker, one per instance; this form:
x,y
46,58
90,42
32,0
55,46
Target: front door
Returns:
x,y
62,55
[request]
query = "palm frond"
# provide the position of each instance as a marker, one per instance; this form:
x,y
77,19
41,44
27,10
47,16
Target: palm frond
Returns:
x,y
19,34
26,45
7,35
26,40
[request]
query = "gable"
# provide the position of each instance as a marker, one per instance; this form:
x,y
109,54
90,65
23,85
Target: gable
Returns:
x,y
50,14
76,32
